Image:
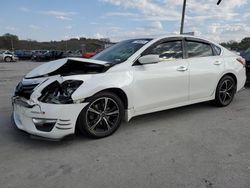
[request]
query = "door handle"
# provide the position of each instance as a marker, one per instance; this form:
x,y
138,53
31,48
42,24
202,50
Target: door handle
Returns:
x,y
217,63
182,68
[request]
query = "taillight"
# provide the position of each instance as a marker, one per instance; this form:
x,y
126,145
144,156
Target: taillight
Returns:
x,y
242,61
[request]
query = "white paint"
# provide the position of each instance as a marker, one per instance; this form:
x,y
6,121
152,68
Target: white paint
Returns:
x,y
149,87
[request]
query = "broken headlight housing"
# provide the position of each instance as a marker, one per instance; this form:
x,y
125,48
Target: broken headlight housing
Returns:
x,y
56,93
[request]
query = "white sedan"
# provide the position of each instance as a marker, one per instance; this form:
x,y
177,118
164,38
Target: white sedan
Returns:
x,y
131,78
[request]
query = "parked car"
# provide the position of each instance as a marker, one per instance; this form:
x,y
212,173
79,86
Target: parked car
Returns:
x,y
37,53
131,78
246,55
88,54
7,56
91,54
23,54
76,53
48,55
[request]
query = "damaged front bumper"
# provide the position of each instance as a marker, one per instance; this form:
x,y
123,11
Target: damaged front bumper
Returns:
x,y
53,121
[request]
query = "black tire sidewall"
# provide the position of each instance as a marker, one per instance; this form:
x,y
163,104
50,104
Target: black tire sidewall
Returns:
x,y
82,121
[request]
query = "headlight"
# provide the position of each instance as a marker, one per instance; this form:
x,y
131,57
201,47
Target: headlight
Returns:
x,y
57,93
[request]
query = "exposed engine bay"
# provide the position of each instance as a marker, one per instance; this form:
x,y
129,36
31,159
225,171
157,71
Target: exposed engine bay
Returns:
x,y
58,91
74,67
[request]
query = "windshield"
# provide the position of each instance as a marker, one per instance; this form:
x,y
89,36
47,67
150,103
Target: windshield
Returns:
x,y
121,51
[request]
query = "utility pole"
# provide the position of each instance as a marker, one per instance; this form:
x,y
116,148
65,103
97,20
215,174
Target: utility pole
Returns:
x,y
11,41
183,14
66,42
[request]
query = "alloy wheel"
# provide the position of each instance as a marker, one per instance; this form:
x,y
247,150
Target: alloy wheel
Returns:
x,y
227,91
102,116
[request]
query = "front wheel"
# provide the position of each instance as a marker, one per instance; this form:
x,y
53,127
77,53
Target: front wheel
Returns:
x,y
8,59
102,116
225,91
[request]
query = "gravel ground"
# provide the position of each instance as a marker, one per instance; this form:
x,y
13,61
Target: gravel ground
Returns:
x,y
194,146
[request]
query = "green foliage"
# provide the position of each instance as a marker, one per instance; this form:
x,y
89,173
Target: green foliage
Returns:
x,y
8,41
243,45
11,42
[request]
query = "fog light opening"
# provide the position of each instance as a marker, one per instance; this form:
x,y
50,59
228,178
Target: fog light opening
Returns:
x,y
45,125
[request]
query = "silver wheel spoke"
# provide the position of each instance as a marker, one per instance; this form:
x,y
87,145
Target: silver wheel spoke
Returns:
x,y
94,111
105,104
224,97
228,94
107,123
228,89
96,123
112,113
226,84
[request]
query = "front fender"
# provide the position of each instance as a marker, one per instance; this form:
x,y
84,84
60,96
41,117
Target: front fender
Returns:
x,y
99,82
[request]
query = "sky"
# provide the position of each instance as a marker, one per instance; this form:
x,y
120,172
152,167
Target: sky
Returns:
x,y
47,20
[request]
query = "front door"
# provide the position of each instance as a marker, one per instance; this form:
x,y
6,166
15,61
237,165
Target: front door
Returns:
x,y
163,84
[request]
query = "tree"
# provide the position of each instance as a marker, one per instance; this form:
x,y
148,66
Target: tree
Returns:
x,y
9,41
245,43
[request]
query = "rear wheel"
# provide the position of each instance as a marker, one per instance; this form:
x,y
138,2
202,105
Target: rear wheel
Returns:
x,y
7,59
102,116
225,91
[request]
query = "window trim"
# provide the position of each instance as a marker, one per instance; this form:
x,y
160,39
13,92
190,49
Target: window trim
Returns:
x,y
169,39
189,39
215,46
173,39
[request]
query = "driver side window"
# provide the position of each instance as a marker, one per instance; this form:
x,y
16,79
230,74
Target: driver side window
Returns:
x,y
170,50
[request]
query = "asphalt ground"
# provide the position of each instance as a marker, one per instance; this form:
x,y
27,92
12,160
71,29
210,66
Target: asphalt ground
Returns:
x,y
193,146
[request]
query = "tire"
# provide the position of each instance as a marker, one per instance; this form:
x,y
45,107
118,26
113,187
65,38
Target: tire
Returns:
x,y
225,91
8,59
102,116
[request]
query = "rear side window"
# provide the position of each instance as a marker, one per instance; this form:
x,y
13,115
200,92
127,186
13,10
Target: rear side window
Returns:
x,y
168,50
217,50
198,49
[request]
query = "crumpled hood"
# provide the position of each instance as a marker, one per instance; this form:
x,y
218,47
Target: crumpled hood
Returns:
x,y
70,66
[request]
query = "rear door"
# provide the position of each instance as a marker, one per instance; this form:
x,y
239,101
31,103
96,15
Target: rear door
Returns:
x,y
206,67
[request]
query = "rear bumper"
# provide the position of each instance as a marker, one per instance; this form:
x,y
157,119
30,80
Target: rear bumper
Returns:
x,y
241,79
64,117
15,58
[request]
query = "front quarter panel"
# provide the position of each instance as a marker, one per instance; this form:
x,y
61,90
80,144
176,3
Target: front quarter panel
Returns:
x,y
98,82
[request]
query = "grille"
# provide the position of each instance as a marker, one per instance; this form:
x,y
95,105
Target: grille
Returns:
x,y
24,90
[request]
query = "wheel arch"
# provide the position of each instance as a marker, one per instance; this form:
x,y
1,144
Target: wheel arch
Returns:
x,y
119,92
232,75
8,57
223,75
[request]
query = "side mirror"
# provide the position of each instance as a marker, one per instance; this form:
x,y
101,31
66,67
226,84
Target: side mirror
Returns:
x,y
149,59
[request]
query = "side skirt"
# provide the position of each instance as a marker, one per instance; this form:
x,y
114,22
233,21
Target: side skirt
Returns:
x,y
130,113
